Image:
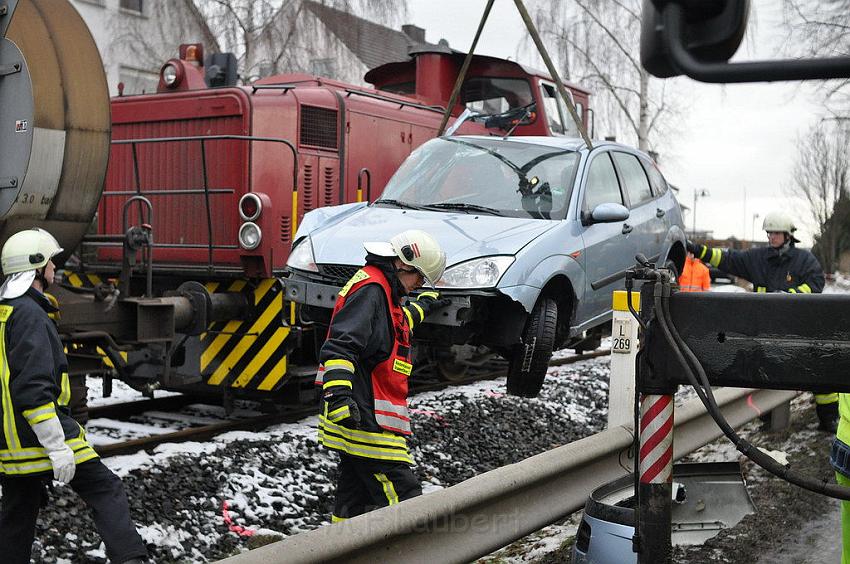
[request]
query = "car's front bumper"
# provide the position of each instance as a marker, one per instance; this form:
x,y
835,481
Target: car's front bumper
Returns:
x,y
316,294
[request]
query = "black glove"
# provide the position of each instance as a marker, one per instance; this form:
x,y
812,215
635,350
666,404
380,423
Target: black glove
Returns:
x,y
340,407
430,302
693,248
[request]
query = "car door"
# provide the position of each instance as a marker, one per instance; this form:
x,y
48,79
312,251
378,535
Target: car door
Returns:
x,y
645,216
609,248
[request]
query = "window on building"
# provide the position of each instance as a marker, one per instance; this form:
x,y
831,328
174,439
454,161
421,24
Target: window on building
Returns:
x,y
133,5
138,81
323,67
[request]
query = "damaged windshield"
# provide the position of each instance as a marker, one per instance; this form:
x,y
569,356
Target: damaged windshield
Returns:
x,y
482,176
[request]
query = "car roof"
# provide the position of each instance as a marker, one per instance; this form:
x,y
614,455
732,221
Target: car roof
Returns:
x,y
570,143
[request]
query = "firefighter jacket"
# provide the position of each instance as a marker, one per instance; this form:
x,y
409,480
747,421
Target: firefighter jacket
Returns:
x,y
368,351
694,277
34,386
788,269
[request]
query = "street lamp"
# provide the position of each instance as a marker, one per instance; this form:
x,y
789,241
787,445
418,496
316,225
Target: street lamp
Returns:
x,y
755,217
697,194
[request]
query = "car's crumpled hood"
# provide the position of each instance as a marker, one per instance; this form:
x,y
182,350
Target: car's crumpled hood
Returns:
x,y
462,236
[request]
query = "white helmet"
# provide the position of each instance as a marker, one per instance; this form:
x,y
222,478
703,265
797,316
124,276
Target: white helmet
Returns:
x,y
28,250
779,222
414,248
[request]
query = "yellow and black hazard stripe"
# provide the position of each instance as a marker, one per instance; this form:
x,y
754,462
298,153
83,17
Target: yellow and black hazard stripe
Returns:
x,y
247,353
85,280
82,279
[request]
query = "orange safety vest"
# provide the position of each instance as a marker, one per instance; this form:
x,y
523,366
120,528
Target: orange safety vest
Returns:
x,y
694,277
389,377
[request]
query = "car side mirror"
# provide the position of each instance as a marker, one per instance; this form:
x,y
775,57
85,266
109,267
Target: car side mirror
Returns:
x,y
698,37
606,213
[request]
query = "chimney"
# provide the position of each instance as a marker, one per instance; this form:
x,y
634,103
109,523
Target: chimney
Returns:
x,y
415,33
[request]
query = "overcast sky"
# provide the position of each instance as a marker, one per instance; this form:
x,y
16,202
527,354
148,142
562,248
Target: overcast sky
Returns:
x,y
738,142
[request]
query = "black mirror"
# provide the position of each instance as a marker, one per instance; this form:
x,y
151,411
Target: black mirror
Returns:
x,y
607,213
698,37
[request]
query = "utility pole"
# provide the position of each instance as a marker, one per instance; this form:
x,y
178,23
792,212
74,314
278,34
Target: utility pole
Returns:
x,y
753,236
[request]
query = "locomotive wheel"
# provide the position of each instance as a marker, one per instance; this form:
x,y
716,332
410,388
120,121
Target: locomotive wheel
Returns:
x,y
529,362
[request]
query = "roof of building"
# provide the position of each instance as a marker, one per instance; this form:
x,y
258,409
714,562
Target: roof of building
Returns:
x,y
372,43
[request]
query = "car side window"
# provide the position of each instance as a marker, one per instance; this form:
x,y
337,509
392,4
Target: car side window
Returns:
x,y
634,178
602,185
656,179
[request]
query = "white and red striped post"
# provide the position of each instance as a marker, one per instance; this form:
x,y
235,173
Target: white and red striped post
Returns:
x,y
655,462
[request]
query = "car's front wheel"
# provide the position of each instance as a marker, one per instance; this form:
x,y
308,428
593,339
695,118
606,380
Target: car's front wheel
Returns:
x,y
529,361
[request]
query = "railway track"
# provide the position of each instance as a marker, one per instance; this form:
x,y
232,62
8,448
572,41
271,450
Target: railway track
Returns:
x,y
204,432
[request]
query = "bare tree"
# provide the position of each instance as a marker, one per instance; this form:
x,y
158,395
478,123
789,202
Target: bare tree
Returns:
x,y
597,42
822,28
267,36
821,178
147,42
275,36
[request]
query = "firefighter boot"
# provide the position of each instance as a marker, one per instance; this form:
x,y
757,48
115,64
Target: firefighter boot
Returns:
x,y
827,416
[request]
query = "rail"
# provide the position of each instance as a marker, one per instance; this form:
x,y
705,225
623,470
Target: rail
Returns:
x,y
487,512
205,190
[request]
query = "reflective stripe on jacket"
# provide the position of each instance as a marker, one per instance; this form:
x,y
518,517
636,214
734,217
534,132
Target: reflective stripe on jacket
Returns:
x,y
34,386
379,383
790,270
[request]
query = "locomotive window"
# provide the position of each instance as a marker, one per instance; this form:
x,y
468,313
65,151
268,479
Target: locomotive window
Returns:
x,y
488,95
558,117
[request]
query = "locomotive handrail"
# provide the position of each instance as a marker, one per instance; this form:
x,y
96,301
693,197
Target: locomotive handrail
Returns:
x,y
285,87
147,256
368,174
476,517
351,91
203,139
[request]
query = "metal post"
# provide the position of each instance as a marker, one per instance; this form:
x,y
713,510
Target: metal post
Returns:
x,y
624,346
656,472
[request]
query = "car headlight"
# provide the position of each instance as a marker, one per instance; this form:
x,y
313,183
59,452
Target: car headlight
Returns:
x,y
250,236
477,273
302,256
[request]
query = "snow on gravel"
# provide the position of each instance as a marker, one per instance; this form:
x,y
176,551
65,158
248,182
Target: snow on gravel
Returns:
x,y
279,481
199,502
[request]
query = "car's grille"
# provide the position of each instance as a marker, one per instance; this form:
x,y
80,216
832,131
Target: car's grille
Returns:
x,y
339,273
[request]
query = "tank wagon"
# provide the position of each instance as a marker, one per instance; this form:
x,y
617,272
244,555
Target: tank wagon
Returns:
x,y
181,240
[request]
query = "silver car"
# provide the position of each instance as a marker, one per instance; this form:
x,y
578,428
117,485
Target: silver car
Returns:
x,y
538,232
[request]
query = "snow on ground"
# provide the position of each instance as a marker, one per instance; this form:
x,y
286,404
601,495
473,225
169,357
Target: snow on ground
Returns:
x,y
198,502
280,482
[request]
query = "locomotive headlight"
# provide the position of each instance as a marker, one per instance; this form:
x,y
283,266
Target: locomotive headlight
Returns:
x,y
477,273
250,236
170,75
250,207
302,256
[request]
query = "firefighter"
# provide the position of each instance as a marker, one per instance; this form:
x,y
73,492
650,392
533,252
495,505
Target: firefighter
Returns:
x,y
40,439
779,267
840,460
365,365
695,276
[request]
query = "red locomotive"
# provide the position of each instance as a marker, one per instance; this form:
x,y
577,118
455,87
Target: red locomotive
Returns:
x,y
206,185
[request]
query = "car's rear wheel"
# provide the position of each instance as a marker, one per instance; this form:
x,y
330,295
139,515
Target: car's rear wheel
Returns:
x,y
529,362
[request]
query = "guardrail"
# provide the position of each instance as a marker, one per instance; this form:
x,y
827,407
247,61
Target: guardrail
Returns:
x,y
487,512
